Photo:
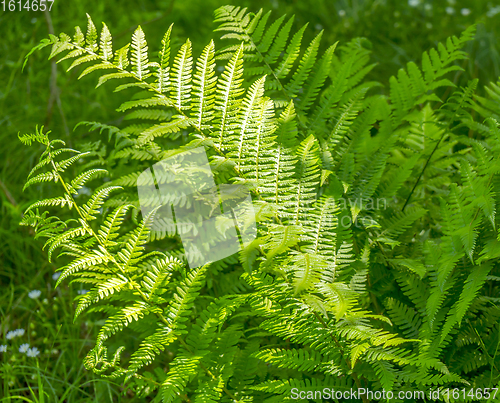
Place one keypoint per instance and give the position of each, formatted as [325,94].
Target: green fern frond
[204,86]
[307,180]
[104,290]
[181,77]
[122,319]
[139,54]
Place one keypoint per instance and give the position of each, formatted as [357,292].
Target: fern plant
[332,292]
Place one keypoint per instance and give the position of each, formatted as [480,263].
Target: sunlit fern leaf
[64,238]
[315,82]
[122,319]
[247,120]
[104,290]
[43,177]
[180,85]
[158,276]
[163,69]
[91,208]
[105,48]
[183,368]
[306,270]
[300,359]
[326,237]
[277,186]
[173,128]
[281,238]
[55,201]
[84,177]
[94,260]
[132,252]
[307,180]
[268,48]
[39,136]
[210,390]
[111,225]
[305,66]
[339,298]
[184,298]
[338,139]
[257,159]
[139,54]
[91,36]
[150,347]
[204,86]
[227,99]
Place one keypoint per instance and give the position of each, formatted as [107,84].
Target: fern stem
[447,128]
[423,170]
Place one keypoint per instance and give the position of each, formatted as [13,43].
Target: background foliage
[397,33]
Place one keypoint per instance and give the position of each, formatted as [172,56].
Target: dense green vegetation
[368,134]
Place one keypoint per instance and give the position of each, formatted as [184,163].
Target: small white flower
[3,348]
[33,352]
[413,3]
[81,292]
[465,11]
[450,10]
[24,347]
[493,11]
[55,276]
[341,13]
[34,294]
[318,27]
[428,7]
[14,333]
